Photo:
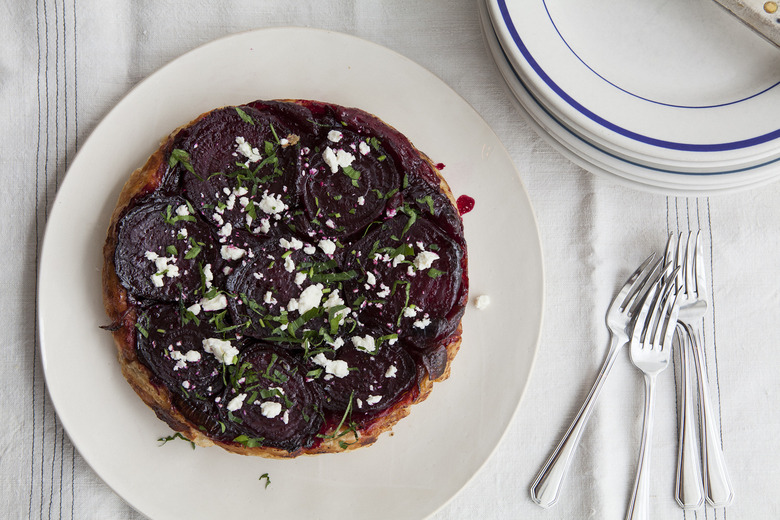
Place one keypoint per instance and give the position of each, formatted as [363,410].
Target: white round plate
[446,439]
[589,156]
[676,86]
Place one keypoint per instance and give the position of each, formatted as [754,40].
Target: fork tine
[671,250]
[641,325]
[690,250]
[662,313]
[646,322]
[681,251]
[672,311]
[635,282]
[639,289]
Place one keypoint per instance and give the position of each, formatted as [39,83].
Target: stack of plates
[673,97]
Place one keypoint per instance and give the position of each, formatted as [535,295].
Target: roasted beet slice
[270,402]
[398,146]
[366,371]
[172,347]
[346,182]
[287,287]
[162,247]
[411,281]
[238,167]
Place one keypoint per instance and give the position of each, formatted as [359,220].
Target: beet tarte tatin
[285,278]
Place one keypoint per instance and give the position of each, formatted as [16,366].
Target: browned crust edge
[122,314]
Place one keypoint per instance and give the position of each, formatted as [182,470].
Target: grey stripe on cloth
[53,458]
[691,214]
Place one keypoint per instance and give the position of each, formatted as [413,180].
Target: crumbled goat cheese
[236,403]
[217,303]
[222,350]
[245,149]
[421,324]
[271,203]
[328,246]
[366,343]
[425,259]
[270,409]
[482,301]
[232,252]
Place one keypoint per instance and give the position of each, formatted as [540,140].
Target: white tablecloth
[65,63]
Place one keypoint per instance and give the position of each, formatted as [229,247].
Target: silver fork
[717,485]
[689,488]
[546,488]
[650,349]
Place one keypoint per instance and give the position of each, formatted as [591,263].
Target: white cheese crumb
[289,264]
[335,136]
[299,278]
[263,228]
[364,148]
[232,252]
[217,303]
[425,259]
[269,298]
[344,158]
[329,156]
[236,403]
[482,301]
[293,243]
[335,367]
[410,312]
[366,343]
[370,278]
[361,200]
[182,210]
[194,308]
[222,350]
[208,276]
[272,204]
[310,298]
[245,149]
[328,246]
[373,399]
[421,324]
[226,230]
[398,259]
[391,371]
[340,158]
[385,292]
[270,409]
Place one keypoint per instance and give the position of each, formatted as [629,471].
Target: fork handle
[689,489]
[638,508]
[546,489]
[716,478]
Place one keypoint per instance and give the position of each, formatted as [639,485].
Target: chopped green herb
[245,117]
[250,442]
[179,156]
[177,435]
[435,273]
[267,479]
[142,330]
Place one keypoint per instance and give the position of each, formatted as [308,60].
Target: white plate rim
[748,148]
[55,317]
[589,156]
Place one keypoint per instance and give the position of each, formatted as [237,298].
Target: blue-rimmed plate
[678,91]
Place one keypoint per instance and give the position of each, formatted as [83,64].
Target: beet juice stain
[465,204]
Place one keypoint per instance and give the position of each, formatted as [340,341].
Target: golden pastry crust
[123,313]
